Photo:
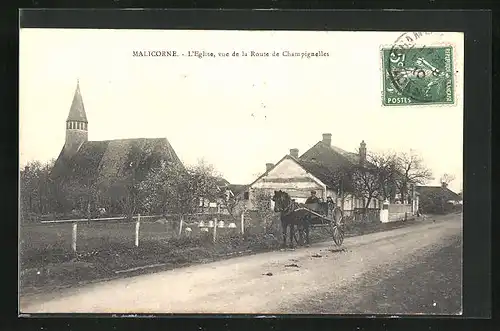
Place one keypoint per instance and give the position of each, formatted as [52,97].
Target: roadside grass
[106,251]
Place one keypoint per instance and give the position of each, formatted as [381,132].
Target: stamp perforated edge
[430,44]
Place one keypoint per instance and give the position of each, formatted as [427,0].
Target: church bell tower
[76,125]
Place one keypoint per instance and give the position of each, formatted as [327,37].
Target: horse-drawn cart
[324,215]
[304,216]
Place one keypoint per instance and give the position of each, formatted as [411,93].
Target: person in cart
[313,198]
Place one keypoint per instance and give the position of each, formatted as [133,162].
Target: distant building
[104,163]
[437,198]
[227,192]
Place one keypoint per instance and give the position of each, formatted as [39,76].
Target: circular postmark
[419,72]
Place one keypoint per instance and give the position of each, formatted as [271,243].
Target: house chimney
[294,152]
[362,151]
[327,138]
[444,184]
[269,166]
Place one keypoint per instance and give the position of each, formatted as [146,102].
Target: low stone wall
[398,212]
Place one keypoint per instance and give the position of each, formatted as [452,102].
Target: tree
[435,202]
[175,189]
[262,203]
[410,170]
[385,167]
[447,179]
[366,183]
[235,206]
[374,178]
[36,188]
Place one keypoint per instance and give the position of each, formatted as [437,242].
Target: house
[316,169]
[103,164]
[227,192]
[437,199]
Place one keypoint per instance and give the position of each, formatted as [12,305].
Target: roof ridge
[124,139]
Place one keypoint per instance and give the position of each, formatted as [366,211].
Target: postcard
[251,172]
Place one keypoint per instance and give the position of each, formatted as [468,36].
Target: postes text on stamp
[418,75]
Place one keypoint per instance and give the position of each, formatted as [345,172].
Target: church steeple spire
[76,124]
[77,110]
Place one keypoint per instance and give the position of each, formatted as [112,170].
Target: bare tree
[385,167]
[410,170]
[365,183]
[447,178]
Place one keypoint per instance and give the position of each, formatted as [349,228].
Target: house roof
[432,190]
[331,156]
[325,174]
[318,170]
[237,188]
[109,160]
[221,182]
[77,110]
[322,161]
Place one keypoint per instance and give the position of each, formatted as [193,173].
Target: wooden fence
[204,222]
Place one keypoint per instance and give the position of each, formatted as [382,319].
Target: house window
[246,195]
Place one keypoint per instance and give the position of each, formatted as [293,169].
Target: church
[84,164]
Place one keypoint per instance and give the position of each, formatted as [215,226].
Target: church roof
[108,161]
[77,110]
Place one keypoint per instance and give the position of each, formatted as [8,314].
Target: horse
[286,207]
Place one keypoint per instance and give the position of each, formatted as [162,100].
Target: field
[107,249]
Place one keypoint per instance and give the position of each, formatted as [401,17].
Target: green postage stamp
[418,75]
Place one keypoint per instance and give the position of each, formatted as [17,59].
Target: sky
[237,113]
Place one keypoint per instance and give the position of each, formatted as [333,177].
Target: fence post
[215,229]
[180,225]
[242,222]
[73,236]
[137,226]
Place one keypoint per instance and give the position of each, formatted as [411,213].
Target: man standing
[313,198]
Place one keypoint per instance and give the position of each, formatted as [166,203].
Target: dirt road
[272,283]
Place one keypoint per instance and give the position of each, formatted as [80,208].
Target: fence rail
[213,222]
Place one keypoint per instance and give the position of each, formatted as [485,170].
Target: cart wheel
[338,235]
